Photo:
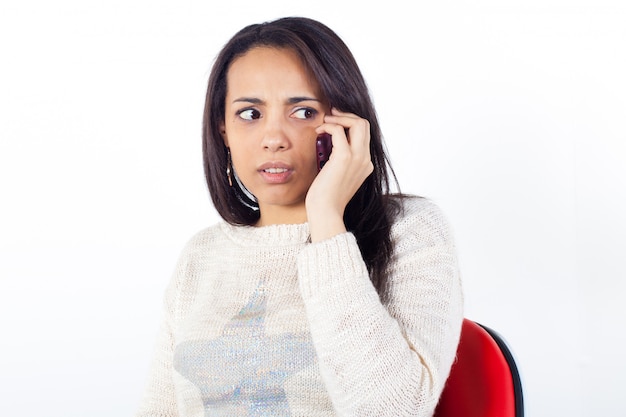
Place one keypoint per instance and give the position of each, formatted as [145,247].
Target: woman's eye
[250,114]
[304,113]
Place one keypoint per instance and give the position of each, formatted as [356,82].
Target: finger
[357,131]
[350,156]
[335,111]
[343,118]
[338,135]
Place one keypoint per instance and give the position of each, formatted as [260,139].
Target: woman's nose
[274,137]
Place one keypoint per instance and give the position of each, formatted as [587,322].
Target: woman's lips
[275,172]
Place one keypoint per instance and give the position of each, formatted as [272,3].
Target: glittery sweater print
[259,322]
[242,373]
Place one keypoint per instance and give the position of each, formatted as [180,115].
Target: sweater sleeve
[159,398]
[391,358]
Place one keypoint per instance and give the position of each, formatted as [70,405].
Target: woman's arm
[388,359]
[159,396]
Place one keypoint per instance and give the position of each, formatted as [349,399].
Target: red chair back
[484,380]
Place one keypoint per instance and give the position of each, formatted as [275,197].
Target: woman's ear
[223,133]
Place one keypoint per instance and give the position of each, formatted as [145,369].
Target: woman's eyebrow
[290,100]
[298,99]
[252,100]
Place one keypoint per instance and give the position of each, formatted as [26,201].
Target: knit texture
[259,322]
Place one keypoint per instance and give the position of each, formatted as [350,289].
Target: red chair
[484,380]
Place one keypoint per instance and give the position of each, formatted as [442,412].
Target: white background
[511,115]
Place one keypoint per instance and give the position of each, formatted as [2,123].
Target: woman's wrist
[324,226]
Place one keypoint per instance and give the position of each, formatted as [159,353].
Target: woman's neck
[273,214]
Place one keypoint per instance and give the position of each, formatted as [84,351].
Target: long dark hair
[369,214]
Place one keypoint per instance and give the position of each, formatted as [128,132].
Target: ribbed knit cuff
[333,265]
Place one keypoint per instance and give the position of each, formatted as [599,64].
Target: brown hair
[369,212]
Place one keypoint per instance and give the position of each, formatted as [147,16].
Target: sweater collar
[273,235]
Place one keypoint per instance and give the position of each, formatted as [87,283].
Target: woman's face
[273,106]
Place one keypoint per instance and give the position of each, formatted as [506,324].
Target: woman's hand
[349,165]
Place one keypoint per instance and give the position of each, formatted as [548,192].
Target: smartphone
[323,147]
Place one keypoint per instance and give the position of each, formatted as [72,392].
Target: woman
[320,294]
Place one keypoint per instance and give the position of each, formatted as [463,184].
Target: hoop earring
[229,165]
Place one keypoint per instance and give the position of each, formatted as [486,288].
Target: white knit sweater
[258,322]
